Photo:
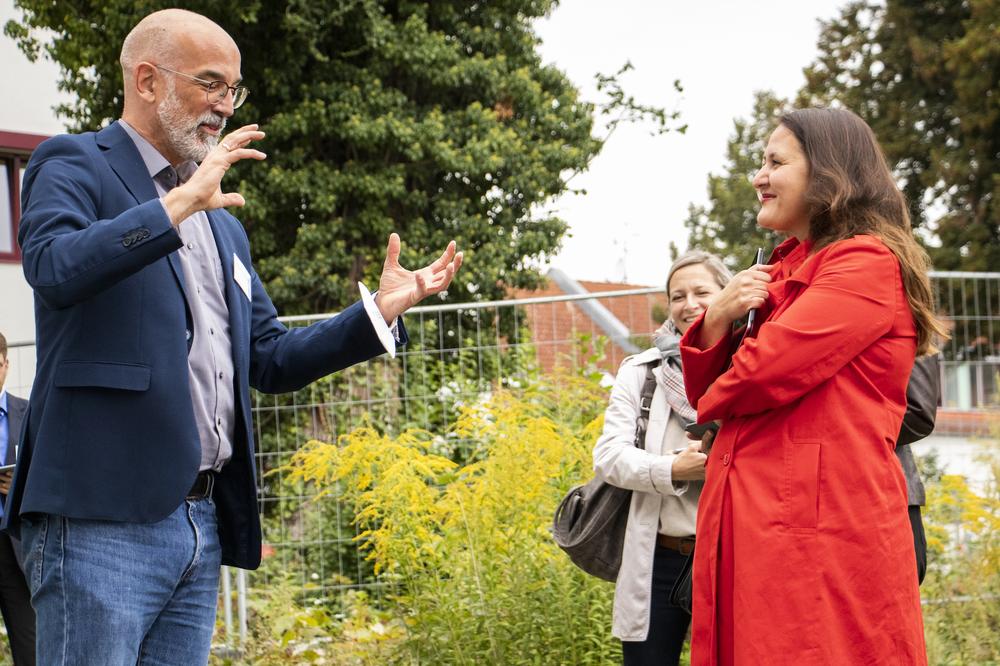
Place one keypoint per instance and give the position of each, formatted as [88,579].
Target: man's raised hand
[400,289]
[204,190]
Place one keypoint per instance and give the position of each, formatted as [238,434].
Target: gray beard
[183,135]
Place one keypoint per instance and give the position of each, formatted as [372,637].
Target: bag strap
[645,403]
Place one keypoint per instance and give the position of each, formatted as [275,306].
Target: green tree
[435,119]
[727,226]
[923,75]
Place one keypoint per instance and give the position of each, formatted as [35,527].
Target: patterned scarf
[670,378]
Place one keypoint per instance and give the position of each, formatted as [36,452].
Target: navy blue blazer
[111,431]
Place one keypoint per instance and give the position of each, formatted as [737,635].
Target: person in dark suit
[15,600]
[922,395]
[136,473]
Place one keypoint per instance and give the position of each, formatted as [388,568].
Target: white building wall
[17,323]
[32,83]
[32,113]
[17,319]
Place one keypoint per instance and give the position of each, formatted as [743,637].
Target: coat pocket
[802,483]
[87,374]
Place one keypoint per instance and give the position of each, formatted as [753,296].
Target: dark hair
[851,191]
[3,346]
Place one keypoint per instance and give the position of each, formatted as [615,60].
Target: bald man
[135,478]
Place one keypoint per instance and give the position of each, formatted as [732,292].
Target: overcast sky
[30,89]
[639,187]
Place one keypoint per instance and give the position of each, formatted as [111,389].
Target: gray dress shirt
[210,359]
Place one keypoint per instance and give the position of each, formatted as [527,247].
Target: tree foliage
[923,75]
[434,119]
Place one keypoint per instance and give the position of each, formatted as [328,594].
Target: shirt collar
[790,254]
[3,398]
[151,157]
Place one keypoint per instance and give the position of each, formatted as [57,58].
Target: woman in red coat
[804,551]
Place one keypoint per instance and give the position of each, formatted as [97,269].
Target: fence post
[227,605]
[241,604]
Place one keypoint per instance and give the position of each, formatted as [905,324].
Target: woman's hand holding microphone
[746,291]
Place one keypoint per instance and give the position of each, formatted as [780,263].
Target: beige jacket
[658,505]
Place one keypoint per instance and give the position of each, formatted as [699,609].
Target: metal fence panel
[456,355]
[460,352]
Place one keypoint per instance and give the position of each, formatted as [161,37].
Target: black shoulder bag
[590,521]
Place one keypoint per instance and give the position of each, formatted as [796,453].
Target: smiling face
[690,291]
[781,185]
[162,103]
[188,134]
[190,124]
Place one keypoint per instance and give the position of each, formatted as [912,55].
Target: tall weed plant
[476,577]
[961,592]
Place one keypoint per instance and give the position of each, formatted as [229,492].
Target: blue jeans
[668,624]
[113,593]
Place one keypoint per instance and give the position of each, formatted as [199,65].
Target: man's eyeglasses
[215,90]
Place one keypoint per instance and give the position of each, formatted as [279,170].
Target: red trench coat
[804,547]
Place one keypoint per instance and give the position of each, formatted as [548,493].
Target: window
[15,149]
[6,212]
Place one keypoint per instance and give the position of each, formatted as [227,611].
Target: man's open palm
[400,289]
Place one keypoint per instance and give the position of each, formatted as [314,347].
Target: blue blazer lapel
[125,160]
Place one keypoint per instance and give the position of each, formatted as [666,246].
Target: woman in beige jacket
[666,475]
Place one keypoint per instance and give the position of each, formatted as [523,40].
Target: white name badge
[241,276]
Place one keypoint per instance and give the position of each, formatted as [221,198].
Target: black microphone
[758,259]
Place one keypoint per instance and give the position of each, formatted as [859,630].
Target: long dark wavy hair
[851,191]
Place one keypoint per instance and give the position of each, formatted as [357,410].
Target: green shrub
[476,576]
[472,574]
[962,590]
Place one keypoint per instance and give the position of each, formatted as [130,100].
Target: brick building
[627,321]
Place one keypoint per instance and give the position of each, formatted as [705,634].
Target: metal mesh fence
[456,355]
[971,359]
[459,353]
